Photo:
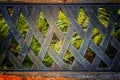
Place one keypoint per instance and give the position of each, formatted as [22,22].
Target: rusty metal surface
[77,75]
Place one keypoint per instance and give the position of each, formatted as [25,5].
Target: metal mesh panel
[50,13]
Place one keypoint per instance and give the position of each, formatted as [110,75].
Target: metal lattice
[50,12]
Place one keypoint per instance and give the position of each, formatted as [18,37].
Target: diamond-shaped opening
[3,27]
[56,43]
[83,19]
[103,16]
[10,11]
[62,22]
[89,55]
[102,65]
[22,25]
[6,64]
[76,40]
[119,11]
[97,36]
[35,45]
[15,48]
[42,24]
[118,67]
[116,31]
[111,51]
[1,47]
[27,63]
[48,61]
[68,58]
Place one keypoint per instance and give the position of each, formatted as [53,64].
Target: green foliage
[15,47]
[3,27]
[22,25]
[103,16]
[27,63]
[42,24]
[10,11]
[68,58]
[63,24]
[76,40]
[96,36]
[116,32]
[48,61]
[35,45]
[83,18]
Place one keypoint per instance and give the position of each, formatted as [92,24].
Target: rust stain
[12,77]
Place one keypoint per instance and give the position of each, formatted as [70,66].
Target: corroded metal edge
[83,75]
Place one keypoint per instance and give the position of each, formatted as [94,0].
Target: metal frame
[31,13]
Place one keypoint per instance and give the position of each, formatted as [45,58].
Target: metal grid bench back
[50,12]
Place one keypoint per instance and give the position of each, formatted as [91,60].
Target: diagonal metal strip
[15,19]
[113,41]
[14,61]
[45,45]
[17,35]
[27,40]
[76,65]
[40,38]
[79,30]
[105,41]
[11,56]
[90,12]
[12,24]
[116,62]
[5,47]
[58,32]
[66,42]
[67,37]
[50,12]
[49,35]
[86,40]
[114,13]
